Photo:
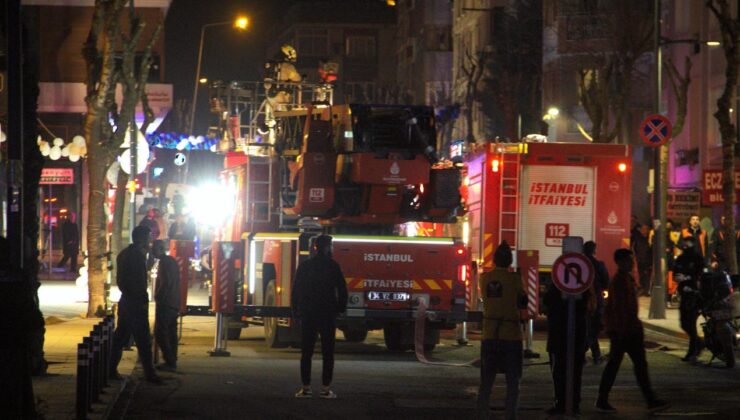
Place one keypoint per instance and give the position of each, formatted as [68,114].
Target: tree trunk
[96,227]
[729,29]
[117,243]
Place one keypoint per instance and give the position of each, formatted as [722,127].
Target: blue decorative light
[186,142]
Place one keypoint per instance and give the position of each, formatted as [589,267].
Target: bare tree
[473,68]
[729,30]
[609,70]
[680,88]
[106,120]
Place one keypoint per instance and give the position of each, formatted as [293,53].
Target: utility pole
[660,181]
[133,149]
[14,172]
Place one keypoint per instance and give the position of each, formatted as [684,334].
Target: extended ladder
[508,219]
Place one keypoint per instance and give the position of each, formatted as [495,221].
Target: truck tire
[274,333]
[392,336]
[355,335]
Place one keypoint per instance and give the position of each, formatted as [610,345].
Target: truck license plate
[390,296]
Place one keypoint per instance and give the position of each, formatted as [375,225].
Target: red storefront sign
[711,187]
[57,176]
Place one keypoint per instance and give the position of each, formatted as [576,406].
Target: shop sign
[682,204]
[57,176]
[711,187]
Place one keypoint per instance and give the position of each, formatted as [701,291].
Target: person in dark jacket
[70,242]
[167,298]
[557,333]
[687,270]
[133,308]
[319,295]
[626,334]
[600,284]
[720,236]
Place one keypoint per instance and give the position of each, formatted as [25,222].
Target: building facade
[496,69]
[358,35]
[59,29]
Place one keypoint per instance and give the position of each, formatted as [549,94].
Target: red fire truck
[356,172]
[535,194]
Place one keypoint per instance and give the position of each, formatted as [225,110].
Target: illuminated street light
[553,112]
[240,23]
[203,80]
[713,43]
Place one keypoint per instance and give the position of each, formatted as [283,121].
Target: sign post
[573,274]
[655,131]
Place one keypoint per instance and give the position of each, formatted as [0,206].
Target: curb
[664,330]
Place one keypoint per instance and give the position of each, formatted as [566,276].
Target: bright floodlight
[211,204]
[553,112]
[713,43]
[241,23]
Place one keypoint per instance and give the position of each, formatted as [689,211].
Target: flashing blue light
[157,171]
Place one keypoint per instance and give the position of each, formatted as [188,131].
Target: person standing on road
[167,297]
[626,335]
[70,242]
[133,308]
[557,343]
[600,284]
[501,343]
[319,295]
[687,270]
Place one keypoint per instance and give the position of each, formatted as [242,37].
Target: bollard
[82,397]
[111,333]
[95,365]
[99,374]
[87,341]
[108,338]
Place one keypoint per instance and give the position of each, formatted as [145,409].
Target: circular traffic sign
[655,130]
[572,273]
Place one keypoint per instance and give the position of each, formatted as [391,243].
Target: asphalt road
[256,382]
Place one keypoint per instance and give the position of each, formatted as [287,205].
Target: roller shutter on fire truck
[556,201]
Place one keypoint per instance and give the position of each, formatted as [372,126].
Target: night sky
[228,54]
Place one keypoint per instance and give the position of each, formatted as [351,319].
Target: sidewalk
[55,392]
[669,326]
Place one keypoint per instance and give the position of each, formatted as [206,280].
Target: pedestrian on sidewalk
[501,343]
[133,308]
[319,295]
[694,230]
[167,298]
[688,269]
[595,322]
[70,242]
[626,335]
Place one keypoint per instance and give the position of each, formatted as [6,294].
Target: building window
[360,47]
[313,42]
[359,92]
[438,38]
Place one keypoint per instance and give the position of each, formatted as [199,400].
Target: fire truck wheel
[355,335]
[392,336]
[274,333]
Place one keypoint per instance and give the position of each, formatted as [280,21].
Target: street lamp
[241,23]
